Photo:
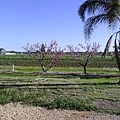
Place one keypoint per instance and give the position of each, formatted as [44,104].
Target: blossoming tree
[41,52]
[83,58]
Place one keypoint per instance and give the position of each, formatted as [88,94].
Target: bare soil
[113,105]
[18,111]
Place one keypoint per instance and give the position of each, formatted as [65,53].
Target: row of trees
[54,53]
[99,11]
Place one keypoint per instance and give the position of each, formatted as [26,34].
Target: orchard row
[62,63]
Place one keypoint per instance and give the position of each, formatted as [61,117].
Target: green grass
[61,69]
[65,92]
[66,61]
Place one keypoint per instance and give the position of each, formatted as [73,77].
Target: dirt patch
[107,104]
[18,111]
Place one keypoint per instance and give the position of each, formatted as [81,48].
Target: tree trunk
[119,77]
[85,71]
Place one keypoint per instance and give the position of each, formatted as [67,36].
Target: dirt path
[18,111]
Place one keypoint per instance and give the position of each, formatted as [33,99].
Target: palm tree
[101,11]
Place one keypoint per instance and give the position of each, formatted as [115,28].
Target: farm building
[2,51]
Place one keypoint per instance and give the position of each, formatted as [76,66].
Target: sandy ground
[18,111]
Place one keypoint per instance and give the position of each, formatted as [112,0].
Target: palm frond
[91,23]
[92,7]
[112,12]
[108,44]
[101,11]
[107,47]
[117,55]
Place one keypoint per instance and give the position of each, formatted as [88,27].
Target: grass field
[58,91]
[66,61]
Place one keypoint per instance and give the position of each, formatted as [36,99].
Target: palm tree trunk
[119,79]
[118,51]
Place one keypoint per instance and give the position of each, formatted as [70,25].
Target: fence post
[13,67]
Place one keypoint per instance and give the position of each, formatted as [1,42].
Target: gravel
[18,111]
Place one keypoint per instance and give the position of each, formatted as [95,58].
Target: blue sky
[37,21]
